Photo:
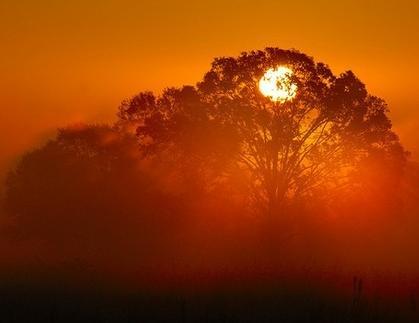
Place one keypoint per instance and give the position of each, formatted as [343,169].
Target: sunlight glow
[276,84]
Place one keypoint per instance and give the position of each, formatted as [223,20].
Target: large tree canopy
[317,141]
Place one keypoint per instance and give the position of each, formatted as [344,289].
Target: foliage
[286,151]
[86,192]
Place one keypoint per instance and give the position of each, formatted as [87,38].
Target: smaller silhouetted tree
[87,193]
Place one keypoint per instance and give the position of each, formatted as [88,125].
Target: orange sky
[67,61]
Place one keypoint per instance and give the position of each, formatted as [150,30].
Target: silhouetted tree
[316,142]
[87,193]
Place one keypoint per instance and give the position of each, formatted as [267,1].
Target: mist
[215,189]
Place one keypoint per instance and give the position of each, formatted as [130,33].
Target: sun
[277,85]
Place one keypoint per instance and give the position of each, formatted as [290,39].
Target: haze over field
[210,161]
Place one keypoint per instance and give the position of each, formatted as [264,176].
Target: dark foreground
[19,303]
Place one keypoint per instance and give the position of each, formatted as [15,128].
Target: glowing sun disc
[277,85]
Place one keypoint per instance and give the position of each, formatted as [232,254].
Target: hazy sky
[68,61]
